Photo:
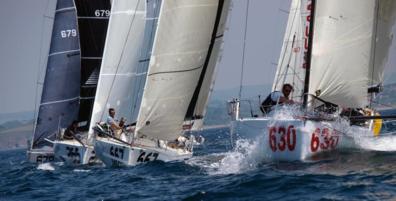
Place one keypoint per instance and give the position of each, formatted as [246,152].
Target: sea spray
[46,167]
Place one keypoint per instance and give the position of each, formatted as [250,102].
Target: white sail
[120,61]
[291,67]
[341,49]
[386,15]
[184,34]
[207,80]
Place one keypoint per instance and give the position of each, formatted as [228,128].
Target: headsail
[61,91]
[343,50]
[291,67]
[120,62]
[385,20]
[186,32]
[197,108]
[93,17]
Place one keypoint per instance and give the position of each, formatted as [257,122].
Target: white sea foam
[81,170]
[46,166]
[244,157]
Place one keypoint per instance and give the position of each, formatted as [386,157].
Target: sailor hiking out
[277,97]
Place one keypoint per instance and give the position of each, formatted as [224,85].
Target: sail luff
[308,57]
[385,21]
[51,10]
[197,107]
[60,97]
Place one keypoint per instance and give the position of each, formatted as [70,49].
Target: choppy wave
[218,171]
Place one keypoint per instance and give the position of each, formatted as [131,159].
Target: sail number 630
[286,139]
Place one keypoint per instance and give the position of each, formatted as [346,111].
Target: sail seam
[60,101]
[95,18]
[92,58]
[176,71]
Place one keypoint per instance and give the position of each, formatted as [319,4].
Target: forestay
[61,91]
[291,67]
[184,34]
[120,60]
[344,48]
[93,17]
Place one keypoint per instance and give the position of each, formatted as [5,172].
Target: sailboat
[61,90]
[93,17]
[334,54]
[169,72]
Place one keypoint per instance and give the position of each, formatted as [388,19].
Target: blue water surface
[216,172]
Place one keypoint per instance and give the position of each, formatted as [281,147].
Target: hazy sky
[24,39]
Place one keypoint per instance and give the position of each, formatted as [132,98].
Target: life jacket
[267,104]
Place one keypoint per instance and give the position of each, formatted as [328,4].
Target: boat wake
[245,156]
[46,167]
[385,142]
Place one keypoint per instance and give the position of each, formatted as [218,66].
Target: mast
[309,52]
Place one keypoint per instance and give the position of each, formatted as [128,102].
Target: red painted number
[287,138]
[272,138]
[328,141]
[315,140]
[291,134]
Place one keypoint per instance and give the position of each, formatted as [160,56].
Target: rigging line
[244,49]
[122,54]
[287,39]
[38,75]
[375,47]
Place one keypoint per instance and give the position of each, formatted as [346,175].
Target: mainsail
[346,52]
[61,91]
[120,63]
[291,67]
[184,40]
[93,19]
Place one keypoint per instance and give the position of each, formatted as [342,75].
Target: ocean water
[216,172]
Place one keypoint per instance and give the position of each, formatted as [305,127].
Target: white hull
[290,140]
[114,153]
[40,155]
[73,153]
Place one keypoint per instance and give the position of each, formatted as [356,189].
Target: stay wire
[244,49]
